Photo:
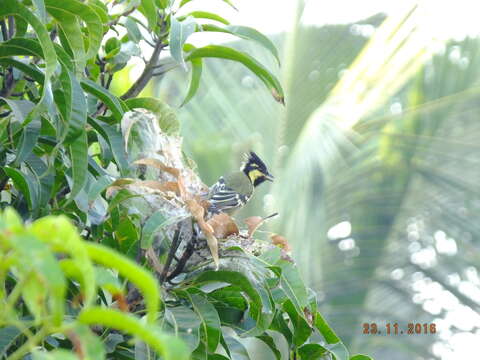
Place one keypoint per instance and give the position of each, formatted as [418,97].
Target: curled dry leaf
[254,222]
[223,226]
[281,242]
[198,213]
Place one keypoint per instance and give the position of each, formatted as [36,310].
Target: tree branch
[3,26]
[147,73]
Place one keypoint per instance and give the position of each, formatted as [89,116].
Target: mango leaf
[258,69]
[197,66]
[338,350]
[26,184]
[115,140]
[302,329]
[210,328]
[325,329]
[87,14]
[205,15]
[154,224]
[142,279]
[86,342]
[149,10]
[236,348]
[184,323]
[57,354]
[73,107]
[361,357]
[8,335]
[248,33]
[169,347]
[312,352]
[78,155]
[179,32]
[44,175]
[293,286]
[114,103]
[133,31]
[268,340]
[100,185]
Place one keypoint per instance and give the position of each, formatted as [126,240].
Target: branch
[4,30]
[11,27]
[147,74]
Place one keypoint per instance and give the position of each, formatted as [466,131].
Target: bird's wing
[223,197]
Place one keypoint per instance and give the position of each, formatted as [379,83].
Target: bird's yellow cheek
[254,174]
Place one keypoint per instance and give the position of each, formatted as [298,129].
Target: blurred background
[375,155]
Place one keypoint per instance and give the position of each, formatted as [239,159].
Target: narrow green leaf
[8,335]
[205,15]
[153,224]
[325,329]
[361,357]
[179,32]
[79,158]
[302,329]
[248,33]
[46,180]
[70,33]
[237,349]
[88,343]
[185,323]
[40,10]
[133,31]
[149,10]
[100,185]
[25,184]
[88,15]
[268,340]
[27,69]
[116,142]
[113,102]
[312,352]
[130,270]
[211,329]
[339,350]
[258,69]
[169,347]
[197,66]
[293,286]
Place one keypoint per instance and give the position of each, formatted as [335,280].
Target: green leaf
[72,106]
[142,279]
[184,323]
[293,286]
[167,118]
[57,354]
[312,352]
[302,329]
[79,158]
[100,185]
[339,350]
[258,69]
[210,321]
[70,32]
[27,69]
[88,343]
[133,31]
[87,14]
[248,33]
[115,140]
[149,10]
[44,175]
[197,66]
[113,102]
[39,267]
[40,10]
[119,197]
[205,15]
[237,349]
[361,357]
[63,236]
[169,347]
[154,224]
[25,184]
[179,32]
[268,340]
[8,335]
[325,329]
[260,307]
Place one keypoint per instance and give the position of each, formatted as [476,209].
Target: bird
[233,191]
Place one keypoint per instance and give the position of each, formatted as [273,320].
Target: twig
[147,73]
[11,27]
[126,13]
[183,260]
[171,253]
[3,26]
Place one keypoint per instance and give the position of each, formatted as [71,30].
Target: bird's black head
[255,169]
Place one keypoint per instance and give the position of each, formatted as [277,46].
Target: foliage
[70,287]
[401,181]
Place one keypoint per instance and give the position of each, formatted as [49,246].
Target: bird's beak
[269,177]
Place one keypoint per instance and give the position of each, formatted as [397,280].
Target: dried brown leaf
[253,223]
[281,242]
[223,226]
